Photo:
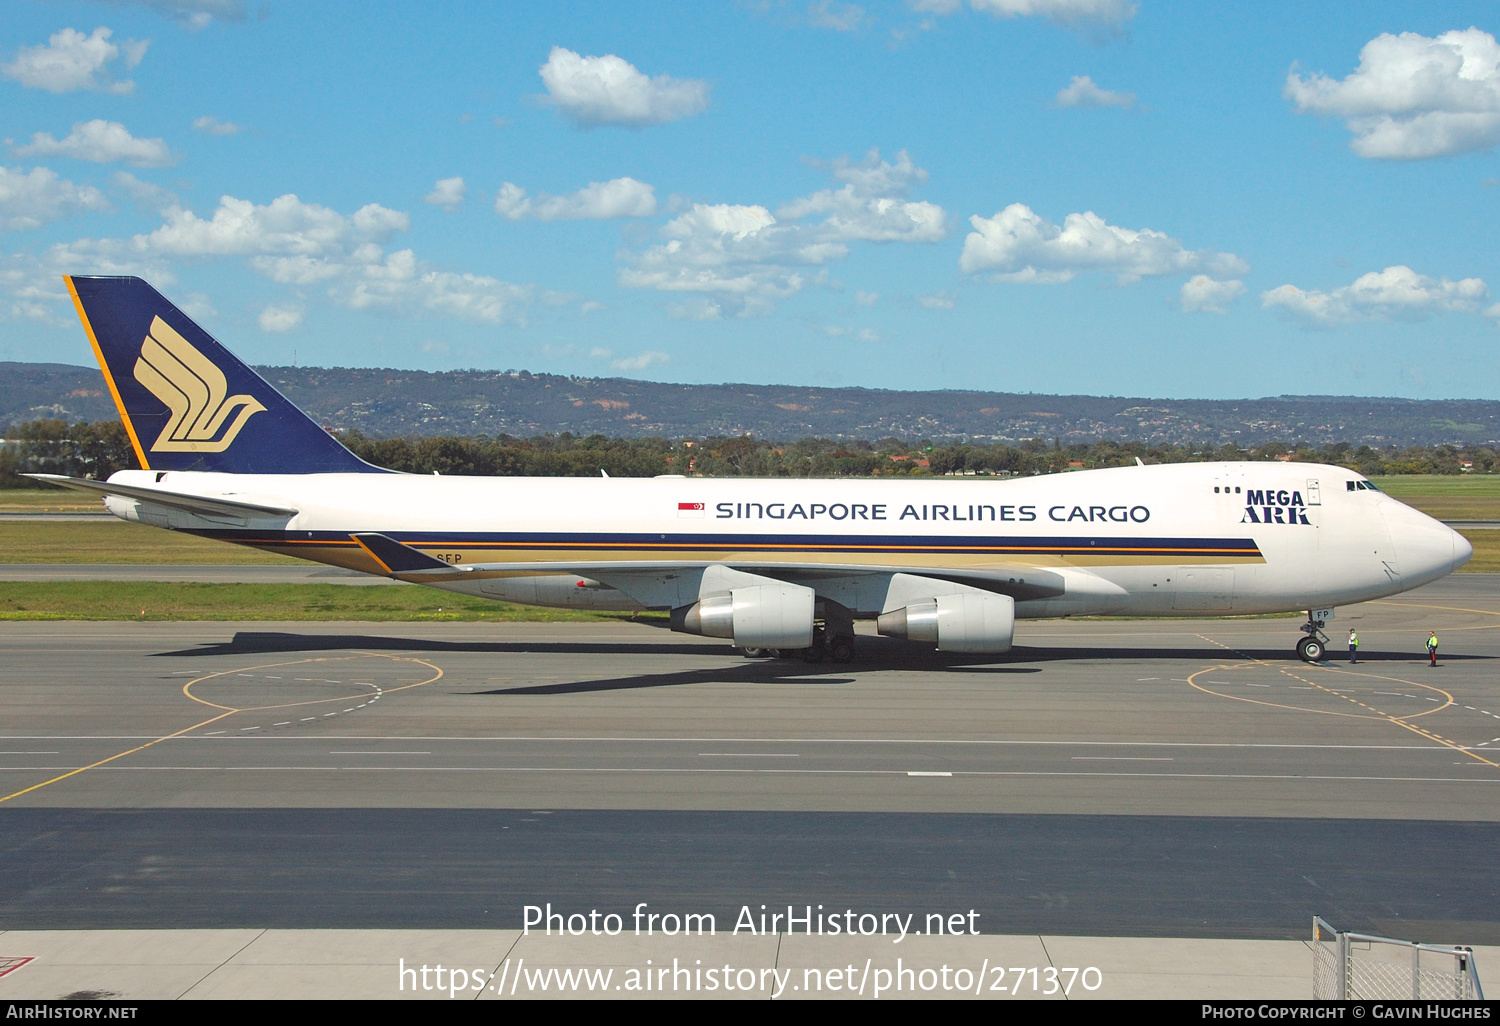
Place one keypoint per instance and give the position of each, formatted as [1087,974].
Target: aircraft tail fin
[187,403]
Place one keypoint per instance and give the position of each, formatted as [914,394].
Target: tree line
[99,449]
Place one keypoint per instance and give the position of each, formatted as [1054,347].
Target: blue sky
[1078,196]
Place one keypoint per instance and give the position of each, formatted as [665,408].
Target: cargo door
[1204,588]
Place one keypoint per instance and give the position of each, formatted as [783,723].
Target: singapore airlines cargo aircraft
[773,564]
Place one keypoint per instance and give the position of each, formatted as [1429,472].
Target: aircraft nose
[1462,550]
[1426,549]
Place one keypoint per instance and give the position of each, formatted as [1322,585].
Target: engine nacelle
[970,621]
[773,615]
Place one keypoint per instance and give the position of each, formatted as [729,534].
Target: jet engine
[771,615]
[969,621]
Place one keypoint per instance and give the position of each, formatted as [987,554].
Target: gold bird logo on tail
[189,384]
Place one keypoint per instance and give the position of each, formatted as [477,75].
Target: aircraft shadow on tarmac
[873,653]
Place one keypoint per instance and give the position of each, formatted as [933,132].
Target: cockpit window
[1362,486]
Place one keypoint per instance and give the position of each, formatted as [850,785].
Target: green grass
[1486,559]
[1447,497]
[116,541]
[48,500]
[131,600]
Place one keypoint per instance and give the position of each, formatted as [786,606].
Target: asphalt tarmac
[1133,778]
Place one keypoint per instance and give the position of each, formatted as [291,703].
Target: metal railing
[1362,967]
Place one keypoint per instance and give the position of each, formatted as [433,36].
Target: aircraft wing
[198,504]
[410,564]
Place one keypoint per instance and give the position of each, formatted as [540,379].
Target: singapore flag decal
[690,509]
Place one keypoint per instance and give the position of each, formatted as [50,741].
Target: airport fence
[1362,967]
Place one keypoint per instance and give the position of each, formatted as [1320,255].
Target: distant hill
[386,403]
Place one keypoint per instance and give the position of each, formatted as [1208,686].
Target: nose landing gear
[1314,646]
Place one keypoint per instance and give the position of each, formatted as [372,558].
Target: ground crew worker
[1432,647]
[1353,645]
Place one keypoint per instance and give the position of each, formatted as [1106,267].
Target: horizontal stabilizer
[198,504]
[398,558]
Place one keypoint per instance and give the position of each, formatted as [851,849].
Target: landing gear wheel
[842,650]
[1310,650]
[757,653]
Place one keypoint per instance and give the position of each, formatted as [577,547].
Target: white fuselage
[1183,539]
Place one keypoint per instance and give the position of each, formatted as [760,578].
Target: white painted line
[30,753]
[1140,679]
[379,753]
[1123,758]
[746,755]
[928,773]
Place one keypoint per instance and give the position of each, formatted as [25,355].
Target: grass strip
[118,541]
[148,600]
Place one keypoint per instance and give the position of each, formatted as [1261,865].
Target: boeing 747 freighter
[780,564]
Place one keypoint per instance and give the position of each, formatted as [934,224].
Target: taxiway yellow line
[230,711]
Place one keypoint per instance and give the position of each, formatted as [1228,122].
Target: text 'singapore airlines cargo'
[773,564]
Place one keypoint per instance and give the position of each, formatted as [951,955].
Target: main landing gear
[1314,646]
[833,639]
[838,648]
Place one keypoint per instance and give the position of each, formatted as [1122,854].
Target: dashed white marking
[928,773]
[1123,758]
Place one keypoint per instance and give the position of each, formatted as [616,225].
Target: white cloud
[284,227]
[867,298]
[1396,293]
[294,243]
[618,197]
[1082,92]
[448,193]
[145,194]
[1413,97]
[193,14]
[746,257]
[31,199]
[102,142]
[213,126]
[34,282]
[871,205]
[641,361]
[1205,294]
[1063,12]
[279,318]
[401,280]
[608,90]
[832,14]
[1019,246]
[939,301]
[698,309]
[71,60]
